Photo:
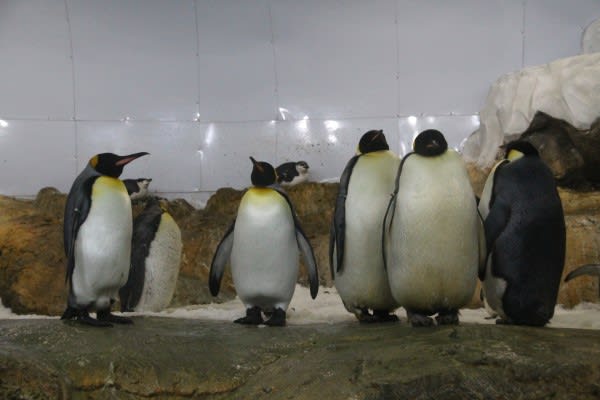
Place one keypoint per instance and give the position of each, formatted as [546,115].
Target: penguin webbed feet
[83,317]
[448,317]
[276,317]
[418,320]
[377,317]
[108,317]
[253,317]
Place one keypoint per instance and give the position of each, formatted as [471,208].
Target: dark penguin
[292,173]
[263,244]
[155,257]
[525,235]
[97,239]
[137,188]
[433,239]
[355,246]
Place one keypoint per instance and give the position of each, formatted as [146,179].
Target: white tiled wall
[203,84]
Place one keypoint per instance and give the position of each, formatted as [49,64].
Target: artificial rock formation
[32,261]
[567,89]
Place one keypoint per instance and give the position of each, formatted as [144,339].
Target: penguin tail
[588,269]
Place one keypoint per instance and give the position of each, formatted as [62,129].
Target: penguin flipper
[496,222]
[338,229]
[219,261]
[588,269]
[309,260]
[391,211]
[145,226]
[77,208]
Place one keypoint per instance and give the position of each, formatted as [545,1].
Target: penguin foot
[447,318]
[83,317]
[419,320]
[504,321]
[277,319]
[378,317]
[107,316]
[253,317]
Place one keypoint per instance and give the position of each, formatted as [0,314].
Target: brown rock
[32,262]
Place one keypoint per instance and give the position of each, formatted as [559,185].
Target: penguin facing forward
[137,188]
[262,244]
[97,239]
[525,235]
[432,233]
[355,244]
[292,173]
[155,258]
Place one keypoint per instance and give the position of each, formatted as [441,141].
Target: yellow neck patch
[514,155]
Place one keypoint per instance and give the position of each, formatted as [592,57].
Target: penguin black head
[430,143]
[520,148]
[263,173]
[302,166]
[372,141]
[111,164]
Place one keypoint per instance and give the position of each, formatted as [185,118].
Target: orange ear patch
[94,161]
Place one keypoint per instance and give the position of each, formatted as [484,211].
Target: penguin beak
[377,135]
[124,160]
[256,164]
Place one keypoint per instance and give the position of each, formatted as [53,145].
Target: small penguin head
[373,140]
[110,164]
[143,183]
[301,167]
[519,148]
[430,143]
[263,173]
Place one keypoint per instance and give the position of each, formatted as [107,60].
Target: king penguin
[155,258]
[525,235]
[97,239]
[355,244]
[262,243]
[432,233]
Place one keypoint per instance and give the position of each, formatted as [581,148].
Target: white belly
[161,267]
[434,249]
[363,282]
[264,257]
[103,245]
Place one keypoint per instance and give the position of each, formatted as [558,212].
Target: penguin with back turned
[525,235]
[262,243]
[432,233]
[155,258]
[355,243]
[97,239]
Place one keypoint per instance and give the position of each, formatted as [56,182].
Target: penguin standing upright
[432,233]
[292,173]
[97,239]
[355,253]
[155,258]
[525,235]
[263,244]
